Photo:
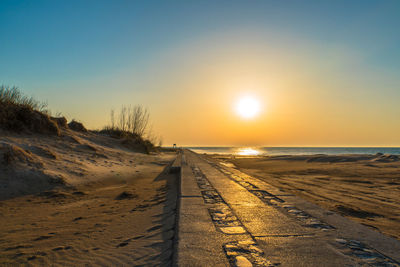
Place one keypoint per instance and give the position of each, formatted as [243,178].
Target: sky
[326,73]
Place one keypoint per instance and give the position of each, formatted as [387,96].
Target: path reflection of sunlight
[247,151]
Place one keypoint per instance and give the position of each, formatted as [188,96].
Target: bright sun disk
[248,107]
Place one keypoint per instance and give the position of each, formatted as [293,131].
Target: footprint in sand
[79,193]
[156,227]
[141,207]
[126,195]
[123,244]
[43,237]
[18,247]
[100,225]
[39,253]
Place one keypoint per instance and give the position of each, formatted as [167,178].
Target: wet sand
[364,188]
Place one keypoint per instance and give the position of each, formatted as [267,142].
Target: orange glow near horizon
[194,103]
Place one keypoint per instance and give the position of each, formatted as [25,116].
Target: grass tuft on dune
[129,140]
[22,114]
[19,113]
[39,152]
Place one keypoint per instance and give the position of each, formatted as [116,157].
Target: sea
[274,151]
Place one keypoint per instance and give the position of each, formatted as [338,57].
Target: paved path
[227,218]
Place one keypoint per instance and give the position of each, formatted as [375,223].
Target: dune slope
[84,199]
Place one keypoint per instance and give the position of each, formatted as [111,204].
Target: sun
[248,107]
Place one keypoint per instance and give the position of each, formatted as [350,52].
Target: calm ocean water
[296,150]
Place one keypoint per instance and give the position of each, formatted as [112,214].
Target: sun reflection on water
[247,151]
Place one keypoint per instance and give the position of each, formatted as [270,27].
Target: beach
[84,199]
[364,188]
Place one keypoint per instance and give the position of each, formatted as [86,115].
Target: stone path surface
[227,218]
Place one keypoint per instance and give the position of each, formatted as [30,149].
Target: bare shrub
[131,125]
[131,120]
[140,120]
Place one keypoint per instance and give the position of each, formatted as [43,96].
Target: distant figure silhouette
[174,146]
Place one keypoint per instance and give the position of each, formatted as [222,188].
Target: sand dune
[84,199]
[33,163]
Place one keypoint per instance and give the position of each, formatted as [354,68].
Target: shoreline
[295,151]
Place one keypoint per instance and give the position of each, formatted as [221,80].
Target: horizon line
[298,146]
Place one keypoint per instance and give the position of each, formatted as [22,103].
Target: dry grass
[20,113]
[13,97]
[131,127]
[129,140]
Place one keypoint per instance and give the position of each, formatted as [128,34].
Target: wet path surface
[227,218]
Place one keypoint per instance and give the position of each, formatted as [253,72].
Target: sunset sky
[326,73]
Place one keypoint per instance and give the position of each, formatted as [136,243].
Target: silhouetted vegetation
[131,125]
[132,120]
[77,126]
[21,113]
[13,96]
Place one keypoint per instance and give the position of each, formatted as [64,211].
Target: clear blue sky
[86,57]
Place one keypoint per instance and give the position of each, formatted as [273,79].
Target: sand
[84,199]
[364,188]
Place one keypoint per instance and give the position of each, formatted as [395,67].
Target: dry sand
[84,199]
[364,188]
